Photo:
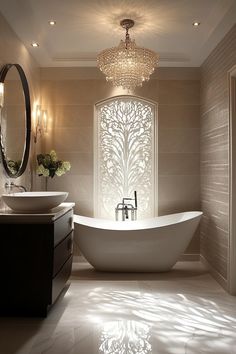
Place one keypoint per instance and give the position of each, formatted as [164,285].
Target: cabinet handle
[69,244]
[71,222]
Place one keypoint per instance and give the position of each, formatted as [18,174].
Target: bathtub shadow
[84,271]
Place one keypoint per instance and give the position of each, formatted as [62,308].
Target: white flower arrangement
[49,165]
[13,166]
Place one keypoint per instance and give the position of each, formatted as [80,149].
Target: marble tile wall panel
[214,160]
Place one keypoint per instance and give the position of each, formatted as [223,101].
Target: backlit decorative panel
[124,155]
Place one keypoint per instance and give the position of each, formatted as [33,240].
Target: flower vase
[46,183]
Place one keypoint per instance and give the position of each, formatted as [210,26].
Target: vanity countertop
[7,215]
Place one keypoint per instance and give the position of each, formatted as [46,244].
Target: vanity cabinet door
[62,253]
[59,281]
[63,226]
[27,269]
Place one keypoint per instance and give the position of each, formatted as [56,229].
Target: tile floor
[181,312]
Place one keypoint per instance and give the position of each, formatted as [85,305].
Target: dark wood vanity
[36,249]
[36,260]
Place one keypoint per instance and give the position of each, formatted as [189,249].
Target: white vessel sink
[34,202]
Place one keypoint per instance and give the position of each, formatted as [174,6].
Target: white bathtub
[151,245]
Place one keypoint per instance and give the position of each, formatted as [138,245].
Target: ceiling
[85,27]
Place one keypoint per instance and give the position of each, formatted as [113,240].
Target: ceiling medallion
[127,65]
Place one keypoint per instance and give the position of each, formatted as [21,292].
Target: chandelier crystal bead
[127,65]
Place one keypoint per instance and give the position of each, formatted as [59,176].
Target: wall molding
[93,73]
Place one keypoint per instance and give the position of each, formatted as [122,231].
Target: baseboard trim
[216,275]
[79,259]
[189,257]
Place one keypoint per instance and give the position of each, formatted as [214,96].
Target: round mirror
[15,119]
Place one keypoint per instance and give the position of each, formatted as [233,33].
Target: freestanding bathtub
[150,245]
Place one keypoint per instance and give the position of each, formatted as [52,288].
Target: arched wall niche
[125,154]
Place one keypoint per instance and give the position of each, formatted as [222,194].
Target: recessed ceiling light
[196,24]
[52,22]
[35,44]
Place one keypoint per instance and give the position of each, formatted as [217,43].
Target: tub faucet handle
[135,199]
[126,212]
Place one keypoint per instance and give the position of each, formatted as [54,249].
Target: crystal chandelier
[127,65]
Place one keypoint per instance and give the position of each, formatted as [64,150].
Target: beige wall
[69,95]
[13,51]
[215,155]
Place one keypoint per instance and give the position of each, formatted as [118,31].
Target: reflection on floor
[181,312]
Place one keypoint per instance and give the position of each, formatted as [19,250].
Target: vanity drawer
[60,279]
[63,226]
[62,252]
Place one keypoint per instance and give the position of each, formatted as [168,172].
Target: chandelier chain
[127,38]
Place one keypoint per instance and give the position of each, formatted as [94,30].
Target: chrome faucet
[125,207]
[9,187]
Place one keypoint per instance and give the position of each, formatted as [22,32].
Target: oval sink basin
[34,202]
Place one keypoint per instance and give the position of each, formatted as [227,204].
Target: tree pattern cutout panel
[125,155]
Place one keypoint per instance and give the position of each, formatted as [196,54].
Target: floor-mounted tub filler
[150,245]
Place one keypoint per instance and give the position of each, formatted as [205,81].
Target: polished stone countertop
[8,215]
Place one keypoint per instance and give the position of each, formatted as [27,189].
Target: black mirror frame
[25,156]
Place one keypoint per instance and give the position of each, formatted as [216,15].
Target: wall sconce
[41,122]
[1,94]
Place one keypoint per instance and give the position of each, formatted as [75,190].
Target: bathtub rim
[144,224]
